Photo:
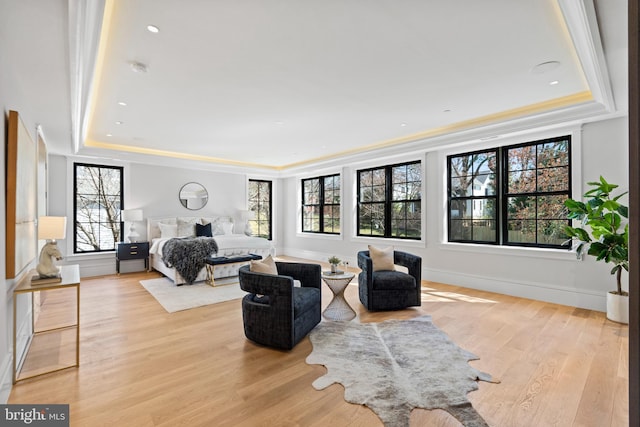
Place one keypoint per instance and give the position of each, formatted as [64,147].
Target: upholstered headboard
[153,227]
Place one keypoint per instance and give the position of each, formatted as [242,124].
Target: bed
[229,244]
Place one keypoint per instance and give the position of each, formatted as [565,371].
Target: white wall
[23,312]
[154,189]
[548,275]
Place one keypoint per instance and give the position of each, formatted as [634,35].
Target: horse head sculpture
[45,267]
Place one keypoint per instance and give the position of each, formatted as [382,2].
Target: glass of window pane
[366,178]
[414,172]
[552,207]
[551,232]
[521,158]
[553,179]
[521,231]
[460,209]
[484,230]
[379,177]
[521,181]
[399,174]
[553,154]
[371,219]
[483,185]
[460,230]
[460,166]
[378,193]
[311,218]
[521,207]
[400,191]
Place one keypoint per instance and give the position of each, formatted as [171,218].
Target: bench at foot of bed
[211,263]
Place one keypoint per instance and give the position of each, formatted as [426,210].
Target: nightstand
[131,251]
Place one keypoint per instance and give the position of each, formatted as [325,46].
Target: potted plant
[604,235]
[334,261]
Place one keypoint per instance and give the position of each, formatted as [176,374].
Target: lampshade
[131,215]
[52,227]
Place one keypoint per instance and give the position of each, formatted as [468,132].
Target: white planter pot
[618,308]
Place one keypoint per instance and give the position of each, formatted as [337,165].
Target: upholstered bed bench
[213,261]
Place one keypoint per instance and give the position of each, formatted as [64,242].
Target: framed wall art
[21,197]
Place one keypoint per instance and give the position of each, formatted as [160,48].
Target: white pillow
[168,231]
[382,258]
[186,228]
[227,227]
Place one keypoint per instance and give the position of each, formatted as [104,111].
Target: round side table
[338,308]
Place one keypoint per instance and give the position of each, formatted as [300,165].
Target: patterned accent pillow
[186,228]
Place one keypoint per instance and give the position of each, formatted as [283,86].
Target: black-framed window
[98,200]
[390,201]
[512,195]
[321,204]
[260,203]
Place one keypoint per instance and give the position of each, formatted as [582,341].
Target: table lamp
[50,228]
[132,215]
[247,216]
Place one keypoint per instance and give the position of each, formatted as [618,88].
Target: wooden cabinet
[131,251]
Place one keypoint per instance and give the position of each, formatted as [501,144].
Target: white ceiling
[279,84]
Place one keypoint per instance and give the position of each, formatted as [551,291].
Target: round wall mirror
[193,196]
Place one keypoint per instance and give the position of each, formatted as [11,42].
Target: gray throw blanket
[187,255]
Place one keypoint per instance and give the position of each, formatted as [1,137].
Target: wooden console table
[70,275]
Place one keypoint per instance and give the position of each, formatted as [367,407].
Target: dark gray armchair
[390,290]
[275,313]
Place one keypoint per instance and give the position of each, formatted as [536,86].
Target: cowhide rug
[395,366]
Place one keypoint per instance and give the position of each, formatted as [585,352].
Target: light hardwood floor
[141,366]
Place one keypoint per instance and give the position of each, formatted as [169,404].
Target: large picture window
[260,195]
[321,204]
[390,201]
[98,199]
[511,195]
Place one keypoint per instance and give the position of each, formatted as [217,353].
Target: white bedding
[228,245]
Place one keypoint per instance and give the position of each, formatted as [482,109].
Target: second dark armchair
[387,289]
[275,313]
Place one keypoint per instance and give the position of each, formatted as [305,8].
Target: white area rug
[395,366]
[176,298]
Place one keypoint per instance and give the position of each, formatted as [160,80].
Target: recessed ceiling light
[109,134]
[153,29]
[545,67]
[403,124]
[446,110]
[555,82]
[124,104]
[119,122]
[138,67]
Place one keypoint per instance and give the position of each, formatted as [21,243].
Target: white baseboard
[6,377]
[573,297]
[538,291]
[97,265]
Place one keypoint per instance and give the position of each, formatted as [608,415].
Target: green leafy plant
[602,232]
[334,260]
